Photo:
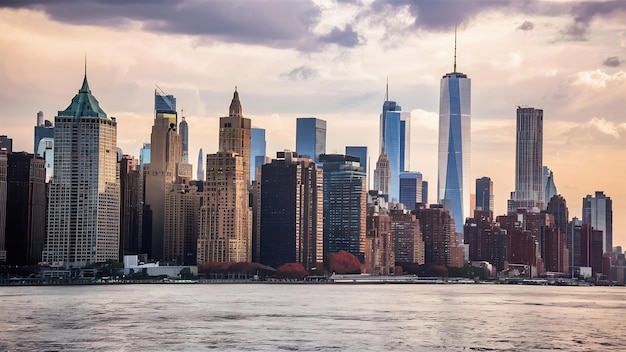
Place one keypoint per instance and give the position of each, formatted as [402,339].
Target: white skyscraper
[453,183]
[84,203]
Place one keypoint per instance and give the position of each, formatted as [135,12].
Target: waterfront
[311,317]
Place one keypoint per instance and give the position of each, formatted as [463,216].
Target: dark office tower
[529,188]
[573,241]
[526,233]
[484,194]
[486,240]
[591,248]
[345,199]
[84,194]
[291,212]
[161,173]
[3,203]
[555,254]
[361,153]
[257,150]
[255,202]
[200,174]
[310,137]
[558,208]
[131,206]
[425,192]
[183,130]
[6,143]
[439,234]
[234,134]
[410,189]
[598,212]
[407,236]
[26,209]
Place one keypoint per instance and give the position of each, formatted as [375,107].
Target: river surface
[312,317]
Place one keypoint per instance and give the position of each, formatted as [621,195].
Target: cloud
[612,61]
[275,23]
[596,132]
[585,12]
[526,26]
[346,37]
[301,73]
[597,79]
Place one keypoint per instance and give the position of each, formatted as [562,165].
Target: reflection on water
[311,317]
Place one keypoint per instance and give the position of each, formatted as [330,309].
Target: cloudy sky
[330,59]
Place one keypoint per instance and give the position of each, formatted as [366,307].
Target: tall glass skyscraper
[453,181]
[529,187]
[395,142]
[200,175]
[598,212]
[360,152]
[410,189]
[310,137]
[258,150]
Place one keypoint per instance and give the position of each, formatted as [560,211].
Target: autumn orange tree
[291,271]
[343,262]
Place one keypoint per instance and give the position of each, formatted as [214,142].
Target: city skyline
[334,67]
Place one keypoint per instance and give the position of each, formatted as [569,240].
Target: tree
[291,271]
[343,262]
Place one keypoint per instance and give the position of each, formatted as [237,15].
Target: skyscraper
[395,127]
[6,143]
[183,130]
[345,198]
[84,196]
[257,150]
[161,173]
[382,176]
[291,212]
[225,223]
[549,188]
[43,129]
[484,194]
[410,189]
[424,192]
[529,187]
[598,212]
[3,203]
[361,153]
[200,174]
[234,135]
[144,155]
[453,181]
[310,137]
[131,206]
[26,209]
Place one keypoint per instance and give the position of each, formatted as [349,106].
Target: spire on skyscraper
[235,109]
[454,49]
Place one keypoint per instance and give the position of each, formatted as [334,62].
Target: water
[309,317]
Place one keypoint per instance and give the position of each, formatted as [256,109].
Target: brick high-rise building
[379,246]
[407,236]
[439,234]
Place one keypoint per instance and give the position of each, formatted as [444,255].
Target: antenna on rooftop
[160,90]
[387,90]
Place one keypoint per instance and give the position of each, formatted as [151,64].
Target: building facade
[310,137]
[410,189]
[183,130]
[453,182]
[258,147]
[407,237]
[84,197]
[598,212]
[3,203]
[382,176]
[235,134]
[26,209]
[484,194]
[345,201]
[291,212]
[529,187]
